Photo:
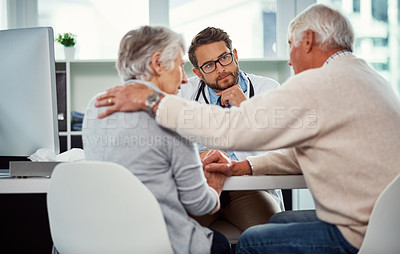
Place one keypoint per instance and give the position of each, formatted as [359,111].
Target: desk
[24,207]
[265,182]
[41,185]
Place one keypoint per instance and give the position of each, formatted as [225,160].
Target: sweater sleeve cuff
[251,165]
[259,165]
[218,205]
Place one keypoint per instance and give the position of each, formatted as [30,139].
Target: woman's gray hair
[138,46]
[333,30]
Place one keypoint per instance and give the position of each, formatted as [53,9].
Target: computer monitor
[28,102]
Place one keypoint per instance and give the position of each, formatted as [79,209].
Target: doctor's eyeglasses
[223,60]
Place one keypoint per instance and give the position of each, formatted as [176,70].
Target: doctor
[219,81]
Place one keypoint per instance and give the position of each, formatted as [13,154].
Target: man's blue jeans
[294,232]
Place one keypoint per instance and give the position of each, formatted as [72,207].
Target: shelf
[87,61]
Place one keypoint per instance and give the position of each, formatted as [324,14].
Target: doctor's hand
[130,97]
[218,162]
[233,95]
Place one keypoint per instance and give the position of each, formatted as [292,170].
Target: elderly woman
[166,163]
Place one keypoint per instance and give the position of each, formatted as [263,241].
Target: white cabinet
[86,78]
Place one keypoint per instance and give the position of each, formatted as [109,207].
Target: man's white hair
[332,29]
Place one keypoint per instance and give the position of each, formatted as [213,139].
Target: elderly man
[337,118]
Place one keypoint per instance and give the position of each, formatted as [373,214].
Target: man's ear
[235,55]
[156,64]
[197,72]
[308,40]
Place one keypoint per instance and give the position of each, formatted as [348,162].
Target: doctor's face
[226,73]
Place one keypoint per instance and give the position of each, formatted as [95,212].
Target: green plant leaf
[66,39]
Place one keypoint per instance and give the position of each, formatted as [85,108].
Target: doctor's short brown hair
[206,36]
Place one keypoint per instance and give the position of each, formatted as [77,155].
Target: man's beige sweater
[340,124]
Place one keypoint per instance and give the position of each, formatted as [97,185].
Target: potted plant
[68,41]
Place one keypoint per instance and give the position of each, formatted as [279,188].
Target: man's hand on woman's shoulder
[130,97]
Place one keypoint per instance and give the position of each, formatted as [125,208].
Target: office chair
[101,207]
[383,229]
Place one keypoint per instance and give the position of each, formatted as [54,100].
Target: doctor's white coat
[192,90]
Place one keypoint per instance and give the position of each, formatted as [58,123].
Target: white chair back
[101,207]
[383,231]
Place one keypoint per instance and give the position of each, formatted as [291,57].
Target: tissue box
[32,169]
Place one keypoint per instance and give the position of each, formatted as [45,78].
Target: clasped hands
[216,161]
[215,167]
[219,162]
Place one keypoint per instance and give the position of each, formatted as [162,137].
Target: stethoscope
[202,89]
